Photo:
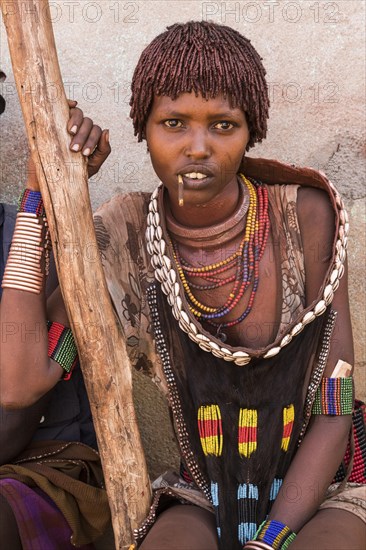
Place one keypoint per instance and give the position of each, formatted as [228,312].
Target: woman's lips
[196,182]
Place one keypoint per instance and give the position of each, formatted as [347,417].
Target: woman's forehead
[190,102]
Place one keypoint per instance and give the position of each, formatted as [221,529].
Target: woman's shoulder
[317,219]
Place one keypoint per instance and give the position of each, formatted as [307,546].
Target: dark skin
[192,134]
[17,425]
[209,137]
[17,388]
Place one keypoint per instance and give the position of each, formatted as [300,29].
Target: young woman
[235,273]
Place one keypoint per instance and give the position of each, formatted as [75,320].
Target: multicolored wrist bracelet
[276,534]
[334,396]
[62,347]
[31,201]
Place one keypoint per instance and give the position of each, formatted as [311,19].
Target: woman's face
[203,141]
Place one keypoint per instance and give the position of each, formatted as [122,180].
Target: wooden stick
[63,182]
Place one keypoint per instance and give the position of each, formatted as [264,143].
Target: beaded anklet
[334,396]
[274,534]
[62,347]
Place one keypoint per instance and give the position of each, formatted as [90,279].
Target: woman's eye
[173,123]
[224,125]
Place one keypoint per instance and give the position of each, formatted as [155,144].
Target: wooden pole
[63,182]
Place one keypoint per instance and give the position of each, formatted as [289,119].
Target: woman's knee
[332,529]
[183,527]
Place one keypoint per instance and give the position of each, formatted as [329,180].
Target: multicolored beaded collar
[170,285]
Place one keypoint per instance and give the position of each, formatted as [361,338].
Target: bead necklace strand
[245,259]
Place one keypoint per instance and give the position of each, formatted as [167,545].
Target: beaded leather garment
[238,427]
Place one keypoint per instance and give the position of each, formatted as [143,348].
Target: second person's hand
[87,138]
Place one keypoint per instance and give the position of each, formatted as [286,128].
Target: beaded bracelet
[62,347]
[334,396]
[31,201]
[274,534]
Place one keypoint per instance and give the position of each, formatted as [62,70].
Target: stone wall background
[314,55]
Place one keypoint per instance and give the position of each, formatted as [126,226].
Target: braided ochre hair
[205,58]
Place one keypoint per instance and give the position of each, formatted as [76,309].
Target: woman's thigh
[332,529]
[183,527]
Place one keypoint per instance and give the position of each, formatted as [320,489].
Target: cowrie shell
[185,317]
[167,262]
[272,352]
[241,355]
[328,294]
[285,340]
[320,307]
[202,338]
[308,317]
[172,276]
[333,276]
[297,329]
[162,247]
[242,362]
[156,220]
[159,233]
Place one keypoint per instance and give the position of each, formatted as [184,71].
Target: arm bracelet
[334,396]
[62,347]
[31,201]
[273,534]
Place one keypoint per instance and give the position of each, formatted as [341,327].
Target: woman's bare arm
[26,372]
[323,447]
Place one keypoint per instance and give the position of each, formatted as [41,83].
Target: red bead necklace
[246,261]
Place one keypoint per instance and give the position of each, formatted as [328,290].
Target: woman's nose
[198,146]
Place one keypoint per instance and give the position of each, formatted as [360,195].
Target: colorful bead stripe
[247,511]
[210,429]
[275,534]
[246,531]
[61,347]
[215,503]
[334,396]
[288,424]
[247,437]
[31,201]
[245,260]
[275,487]
[358,473]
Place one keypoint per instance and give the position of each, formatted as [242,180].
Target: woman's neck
[201,215]
[214,235]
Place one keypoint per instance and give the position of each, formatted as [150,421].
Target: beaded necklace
[166,275]
[245,260]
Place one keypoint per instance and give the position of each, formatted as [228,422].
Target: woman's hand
[87,138]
